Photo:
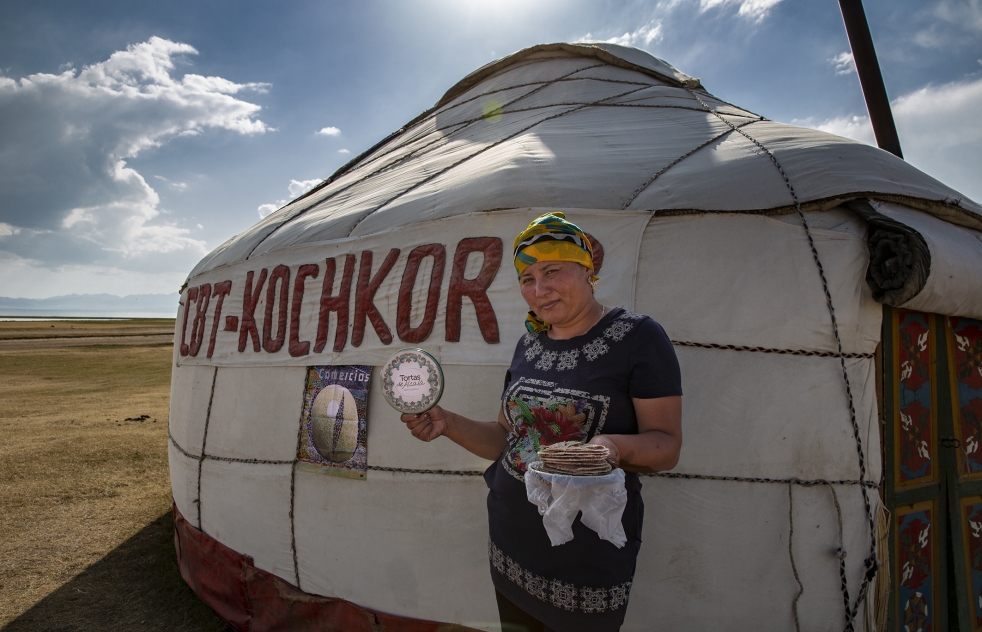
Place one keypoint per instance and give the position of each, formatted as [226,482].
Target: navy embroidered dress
[560,390]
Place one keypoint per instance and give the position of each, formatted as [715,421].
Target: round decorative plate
[412,381]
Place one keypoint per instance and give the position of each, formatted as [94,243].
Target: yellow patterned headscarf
[550,237]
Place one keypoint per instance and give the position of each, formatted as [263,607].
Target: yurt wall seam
[406,128]
[482,150]
[204,442]
[658,173]
[871,562]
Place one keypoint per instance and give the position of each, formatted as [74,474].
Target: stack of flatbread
[575,458]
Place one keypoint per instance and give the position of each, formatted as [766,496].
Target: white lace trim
[560,594]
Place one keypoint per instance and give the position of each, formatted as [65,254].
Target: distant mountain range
[93,306]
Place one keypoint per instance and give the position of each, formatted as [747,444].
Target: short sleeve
[654,365]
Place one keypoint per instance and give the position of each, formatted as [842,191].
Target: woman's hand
[486,439]
[657,445]
[615,455]
[429,425]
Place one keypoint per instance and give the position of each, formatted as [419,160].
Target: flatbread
[575,458]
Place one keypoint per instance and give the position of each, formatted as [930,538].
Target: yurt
[823,297]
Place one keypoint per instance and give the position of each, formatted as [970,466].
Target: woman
[583,372]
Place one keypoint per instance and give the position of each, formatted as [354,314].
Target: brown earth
[86,538]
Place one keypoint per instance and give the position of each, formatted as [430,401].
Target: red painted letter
[475,289]
[298,348]
[191,296]
[365,297]
[219,291]
[281,277]
[404,311]
[200,318]
[337,304]
[249,301]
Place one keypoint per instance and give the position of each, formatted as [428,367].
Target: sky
[136,137]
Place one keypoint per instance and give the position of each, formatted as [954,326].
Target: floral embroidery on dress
[558,593]
[619,595]
[536,425]
[563,595]
[594,349]
[594,599]
[546,361]
[537,586]
[618,329]
[533,350]
[615,332]
[567,360]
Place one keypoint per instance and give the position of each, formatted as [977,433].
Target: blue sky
[136,137]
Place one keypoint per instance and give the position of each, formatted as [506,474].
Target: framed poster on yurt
[333,422]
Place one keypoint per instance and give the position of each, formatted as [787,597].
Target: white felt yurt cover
[728,229]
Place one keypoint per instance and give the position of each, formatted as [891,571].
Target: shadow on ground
[137,586]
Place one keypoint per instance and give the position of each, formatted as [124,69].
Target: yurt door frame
[932,422]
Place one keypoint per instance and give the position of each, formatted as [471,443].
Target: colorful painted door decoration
[965,360]
[971,511]
[917,562]
[915,423]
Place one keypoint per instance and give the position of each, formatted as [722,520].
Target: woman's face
[557,291]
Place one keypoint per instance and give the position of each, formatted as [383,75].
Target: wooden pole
[870,78]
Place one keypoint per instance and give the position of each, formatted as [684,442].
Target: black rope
[794,352]
[661,171]
[293,492]
[442,138]
[409,470]
[490,146]
[870,563]
[204,441]
[794,568]
[803,482]
[224,459]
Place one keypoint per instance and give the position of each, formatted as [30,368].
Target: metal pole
[868,69]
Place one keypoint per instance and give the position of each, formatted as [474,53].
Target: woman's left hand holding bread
[657,445]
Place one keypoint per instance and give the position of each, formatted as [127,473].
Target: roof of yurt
[603,126]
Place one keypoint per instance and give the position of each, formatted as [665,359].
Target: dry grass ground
[86,540]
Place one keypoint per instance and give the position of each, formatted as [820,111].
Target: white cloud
[940,132]
[953,23]
[65,184]
[844,63]
[21,277]
[328,131]
[200,227]
[299,187]
[650,32]
[755,10]
[296,189]
[170,184]
[343,151]
[267,209]
[6,230]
